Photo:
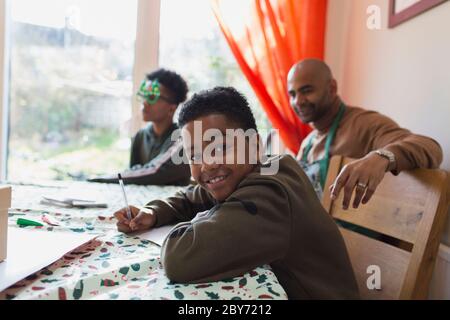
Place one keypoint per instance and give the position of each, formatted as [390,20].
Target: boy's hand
[142,219]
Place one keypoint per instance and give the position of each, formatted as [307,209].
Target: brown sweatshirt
[276,220]
[361,131]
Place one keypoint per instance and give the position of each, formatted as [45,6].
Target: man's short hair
[219,100]
[173,82]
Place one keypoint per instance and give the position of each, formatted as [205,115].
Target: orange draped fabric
[277,34]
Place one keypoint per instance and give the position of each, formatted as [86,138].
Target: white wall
[402,72]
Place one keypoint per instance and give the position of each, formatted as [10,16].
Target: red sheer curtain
[273,36]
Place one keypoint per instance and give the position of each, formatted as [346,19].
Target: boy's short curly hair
[219,100]
[172,81]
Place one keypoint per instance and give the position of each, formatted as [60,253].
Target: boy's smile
[219,176]
[215,181]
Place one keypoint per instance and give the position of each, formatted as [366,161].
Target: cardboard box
[5,203]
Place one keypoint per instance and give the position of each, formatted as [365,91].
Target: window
[73,65]
[70,87]
[192,44]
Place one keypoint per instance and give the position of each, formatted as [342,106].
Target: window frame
[4,84]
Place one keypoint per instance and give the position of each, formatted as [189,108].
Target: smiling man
[236,218]
[377,142]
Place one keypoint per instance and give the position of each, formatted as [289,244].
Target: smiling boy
[236,218]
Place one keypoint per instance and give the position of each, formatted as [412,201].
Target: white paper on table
[29,251]
[156,235]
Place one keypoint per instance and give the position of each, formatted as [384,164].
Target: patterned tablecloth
[115,265]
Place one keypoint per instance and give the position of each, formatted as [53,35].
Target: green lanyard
[323,163]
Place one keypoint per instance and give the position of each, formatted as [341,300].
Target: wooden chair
[410,209]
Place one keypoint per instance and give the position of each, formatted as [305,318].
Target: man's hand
[364,174]
[142,219]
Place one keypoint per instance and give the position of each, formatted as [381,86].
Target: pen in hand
[125,197]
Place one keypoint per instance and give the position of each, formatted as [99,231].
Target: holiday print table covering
[115,265]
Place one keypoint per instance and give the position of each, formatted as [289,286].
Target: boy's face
[161,110]
[220,173]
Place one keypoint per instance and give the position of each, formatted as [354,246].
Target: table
[115,265]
